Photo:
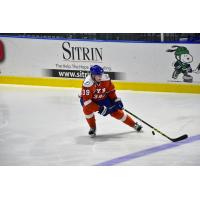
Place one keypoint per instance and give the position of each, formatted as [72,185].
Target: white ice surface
[46,126]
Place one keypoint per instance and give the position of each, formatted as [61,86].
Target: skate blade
[92,135]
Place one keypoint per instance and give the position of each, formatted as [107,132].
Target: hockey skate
[137,127]
[92,132]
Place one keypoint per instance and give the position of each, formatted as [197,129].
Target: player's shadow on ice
[86,140]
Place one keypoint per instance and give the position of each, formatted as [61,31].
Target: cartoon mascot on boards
[182,64]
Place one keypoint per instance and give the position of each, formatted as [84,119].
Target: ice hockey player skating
[98,95]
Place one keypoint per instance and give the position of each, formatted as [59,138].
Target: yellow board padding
[120,85]
[54,82]
[159,87]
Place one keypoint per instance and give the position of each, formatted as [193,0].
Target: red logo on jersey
[1,51]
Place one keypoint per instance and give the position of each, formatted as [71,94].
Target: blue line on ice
[149,151]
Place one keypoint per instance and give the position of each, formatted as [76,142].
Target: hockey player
[98,95]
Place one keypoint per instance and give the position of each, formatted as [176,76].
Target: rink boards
[65,63]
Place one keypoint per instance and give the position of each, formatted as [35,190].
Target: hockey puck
[153,132]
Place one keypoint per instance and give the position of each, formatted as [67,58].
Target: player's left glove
[118,103]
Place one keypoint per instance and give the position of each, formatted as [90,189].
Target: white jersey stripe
[87,102]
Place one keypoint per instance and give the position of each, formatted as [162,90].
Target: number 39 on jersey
[85,92]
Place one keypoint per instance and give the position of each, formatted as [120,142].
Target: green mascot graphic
[182,64]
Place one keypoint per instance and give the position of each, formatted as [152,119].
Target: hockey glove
[118,103]
[103,110]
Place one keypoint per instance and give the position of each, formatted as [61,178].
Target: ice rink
[46,126]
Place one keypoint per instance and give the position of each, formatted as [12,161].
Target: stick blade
[183,137]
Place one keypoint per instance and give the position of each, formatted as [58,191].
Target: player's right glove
[103,110]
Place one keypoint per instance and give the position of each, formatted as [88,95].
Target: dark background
[151,37]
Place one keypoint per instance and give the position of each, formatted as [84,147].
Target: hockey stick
[172,139]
